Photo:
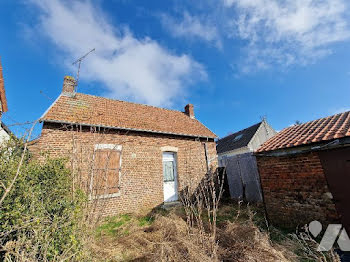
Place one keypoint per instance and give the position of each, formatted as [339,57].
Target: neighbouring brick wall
[141,185]
[295,190]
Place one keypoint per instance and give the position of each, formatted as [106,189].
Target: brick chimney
[189,110]
[68,84]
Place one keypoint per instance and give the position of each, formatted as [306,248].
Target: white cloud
[287,32]
[339,110]
[192,27]
[228,2]
[130,68]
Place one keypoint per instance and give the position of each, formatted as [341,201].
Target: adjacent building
[305,172]
[132,156]
[244,141]
[235,153]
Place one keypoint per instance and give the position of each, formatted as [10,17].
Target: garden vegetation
[40,217]
[45,216]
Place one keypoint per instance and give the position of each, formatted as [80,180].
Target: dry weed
[167,239]
[245,242]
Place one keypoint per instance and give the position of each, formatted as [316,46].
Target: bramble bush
[41,217]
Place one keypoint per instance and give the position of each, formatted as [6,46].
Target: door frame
[174,160]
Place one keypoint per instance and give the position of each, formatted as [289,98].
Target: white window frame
[115,147]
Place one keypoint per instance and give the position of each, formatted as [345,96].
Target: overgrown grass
[162,235]
[121,225]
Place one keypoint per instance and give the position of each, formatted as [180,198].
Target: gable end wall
[264,133]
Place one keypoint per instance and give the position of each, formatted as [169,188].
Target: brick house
[148,154]
[305,172]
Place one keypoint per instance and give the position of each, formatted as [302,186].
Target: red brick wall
[295,189]
[141,184]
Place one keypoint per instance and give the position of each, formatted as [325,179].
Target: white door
[169,177]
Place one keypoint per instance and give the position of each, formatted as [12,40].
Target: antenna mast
[79,63]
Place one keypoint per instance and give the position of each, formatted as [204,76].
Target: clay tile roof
[324,129]
[99,111]
[2,92]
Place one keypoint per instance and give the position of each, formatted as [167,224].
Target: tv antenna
[78,61]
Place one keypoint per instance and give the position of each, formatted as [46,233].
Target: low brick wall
[295,190]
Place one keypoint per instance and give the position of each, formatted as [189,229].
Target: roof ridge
[259,123]
[123,114]
[329,116]
[123,101]
[298,125]
[318,130]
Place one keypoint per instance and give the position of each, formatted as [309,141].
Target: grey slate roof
[229,142]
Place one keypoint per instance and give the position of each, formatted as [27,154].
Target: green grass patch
[112,225]
[145,221]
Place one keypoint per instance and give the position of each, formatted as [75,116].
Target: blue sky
[236,61]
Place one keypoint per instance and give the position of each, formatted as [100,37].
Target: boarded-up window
[107,162]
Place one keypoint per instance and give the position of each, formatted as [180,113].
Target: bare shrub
[306,246]
[201,198]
